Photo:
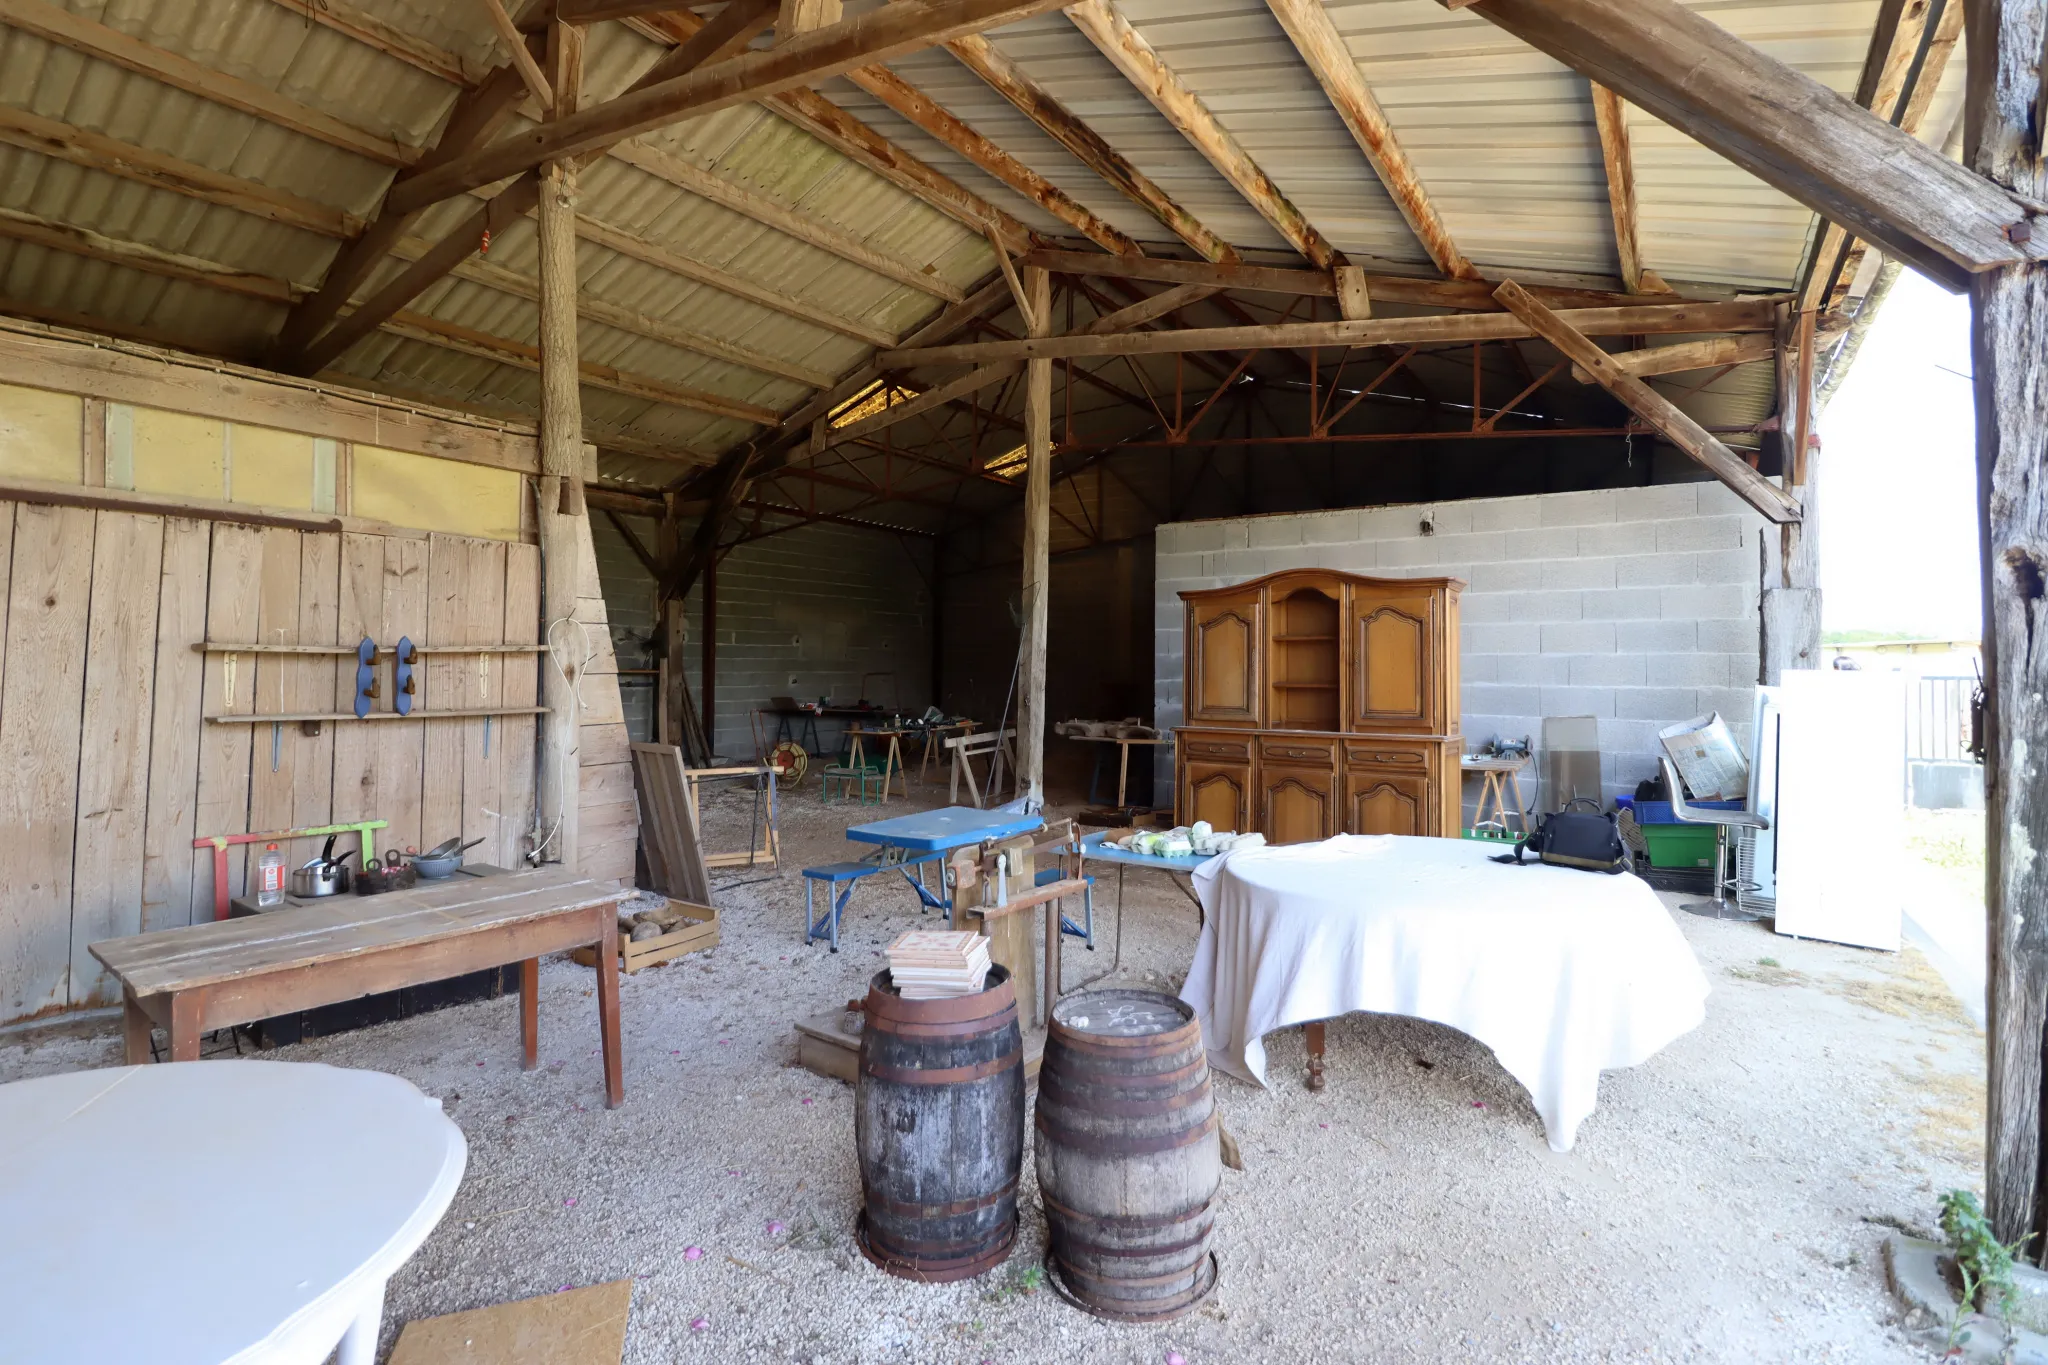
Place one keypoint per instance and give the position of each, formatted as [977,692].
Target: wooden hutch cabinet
[1321,703]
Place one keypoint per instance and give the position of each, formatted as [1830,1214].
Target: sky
[1899,517]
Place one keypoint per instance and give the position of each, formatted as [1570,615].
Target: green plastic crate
[1680,846]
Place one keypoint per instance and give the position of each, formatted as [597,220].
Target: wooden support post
[708,650]
[1791,596]
[1037,546]
[2010,357]
[561,453]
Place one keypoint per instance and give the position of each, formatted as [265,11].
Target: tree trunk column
[562,507]
[2010,355]
[1037,545]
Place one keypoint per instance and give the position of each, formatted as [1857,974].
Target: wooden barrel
[1129,1160]
[939,1124]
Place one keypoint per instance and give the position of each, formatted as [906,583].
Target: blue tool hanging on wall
[366,676]
[402,676]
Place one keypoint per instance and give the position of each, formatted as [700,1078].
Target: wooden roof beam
[1309,25]
[898,28]
[478,114]
[1787,129]
[1889,89]
[55,24]
[476,117]
[826,121]
[1107,28]
[1036,103]
[1463,327]
[626,319]
[159,170]
[520,355]
[926,113]
[1609,119]
[1708,354]
[1660,412]
[1472,295]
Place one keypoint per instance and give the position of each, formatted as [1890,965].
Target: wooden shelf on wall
[348,651]
[295,717]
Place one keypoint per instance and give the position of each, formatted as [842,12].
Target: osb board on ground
[823,1048]
[701,933]
[576,1327]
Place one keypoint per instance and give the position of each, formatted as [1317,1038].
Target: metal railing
[1938,719]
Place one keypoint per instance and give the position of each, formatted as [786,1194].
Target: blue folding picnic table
[907,843]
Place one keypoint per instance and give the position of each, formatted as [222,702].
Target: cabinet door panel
[1219,793]
[1386,802]
[1223,660]
[1393,660]
[1296,805]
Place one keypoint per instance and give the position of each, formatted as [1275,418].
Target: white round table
[198,1213]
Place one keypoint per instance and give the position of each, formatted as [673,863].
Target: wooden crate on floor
[701,933]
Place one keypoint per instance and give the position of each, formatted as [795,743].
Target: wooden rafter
[826,121]
[1786,128]
[898,28]
[927,114]
[1126,48]
[387,38]
[803,227]
[1315,36]
[626,319]
[159,170]
[172,265]
[1891,89]
[1660,412]
[1709,354]
[936,396]
[1467,327]
[1031,99]
[475,117]
[58,25]
[1472,295]
[1610,120]
[668,258]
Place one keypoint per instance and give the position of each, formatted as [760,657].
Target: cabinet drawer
[1385,758]
[1225,748]
[1320,751]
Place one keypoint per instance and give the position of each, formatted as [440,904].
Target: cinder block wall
[808,613]
[1634,605]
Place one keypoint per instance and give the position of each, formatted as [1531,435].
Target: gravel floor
[1726,1202]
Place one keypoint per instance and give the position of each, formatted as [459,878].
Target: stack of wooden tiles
[938,964]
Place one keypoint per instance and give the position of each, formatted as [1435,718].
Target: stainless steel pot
[320,878]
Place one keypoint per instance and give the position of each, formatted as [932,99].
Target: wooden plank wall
[111,771]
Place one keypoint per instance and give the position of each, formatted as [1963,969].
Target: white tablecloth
[1563,973]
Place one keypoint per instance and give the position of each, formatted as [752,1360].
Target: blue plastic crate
[1659,812]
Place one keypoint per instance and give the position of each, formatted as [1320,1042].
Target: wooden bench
[209,976]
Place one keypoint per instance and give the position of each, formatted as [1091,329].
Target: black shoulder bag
[1570,838]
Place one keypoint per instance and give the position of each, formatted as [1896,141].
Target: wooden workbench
[201,977]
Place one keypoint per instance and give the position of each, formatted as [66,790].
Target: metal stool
[1723,821]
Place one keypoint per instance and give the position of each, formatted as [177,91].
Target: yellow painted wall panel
[434,495]
[180,455]
[40,435]
[271,468]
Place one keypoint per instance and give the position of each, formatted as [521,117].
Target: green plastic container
[1680,846]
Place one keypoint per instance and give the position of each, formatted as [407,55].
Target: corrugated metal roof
[1502,137]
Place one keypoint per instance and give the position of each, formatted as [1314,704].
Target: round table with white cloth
[198,1213]
[1562,972]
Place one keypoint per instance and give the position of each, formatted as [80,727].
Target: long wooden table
[193,979]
